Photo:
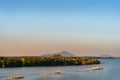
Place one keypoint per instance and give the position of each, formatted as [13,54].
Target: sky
[82,27]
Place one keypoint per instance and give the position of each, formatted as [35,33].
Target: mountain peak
[62,53]
[66,54]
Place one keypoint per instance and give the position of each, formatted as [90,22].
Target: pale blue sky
[48,21]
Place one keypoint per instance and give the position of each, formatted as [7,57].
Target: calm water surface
[111,71]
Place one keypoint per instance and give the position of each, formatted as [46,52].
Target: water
[111,71]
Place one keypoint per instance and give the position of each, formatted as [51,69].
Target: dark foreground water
[111,71]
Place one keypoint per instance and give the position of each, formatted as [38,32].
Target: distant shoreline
[6,62]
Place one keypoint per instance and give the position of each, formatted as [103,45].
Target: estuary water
[111,71]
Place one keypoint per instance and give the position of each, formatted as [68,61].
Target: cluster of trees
[44,61]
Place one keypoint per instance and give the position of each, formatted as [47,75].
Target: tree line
[44,61]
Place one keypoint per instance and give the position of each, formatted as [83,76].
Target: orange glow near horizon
[18,47]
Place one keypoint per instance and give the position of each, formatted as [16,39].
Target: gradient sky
[82,27]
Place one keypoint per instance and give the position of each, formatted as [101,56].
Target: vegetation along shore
[55,60]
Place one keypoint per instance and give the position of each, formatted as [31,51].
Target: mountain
[63,53]
[105,55]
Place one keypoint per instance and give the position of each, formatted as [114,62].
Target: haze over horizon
[82,27]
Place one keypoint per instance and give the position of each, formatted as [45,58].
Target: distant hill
[106,55]
[63,53]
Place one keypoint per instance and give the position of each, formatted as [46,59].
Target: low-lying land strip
[45,61]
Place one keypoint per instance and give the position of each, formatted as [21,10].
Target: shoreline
[6,62]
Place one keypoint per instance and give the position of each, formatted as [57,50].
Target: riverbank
[45,61]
